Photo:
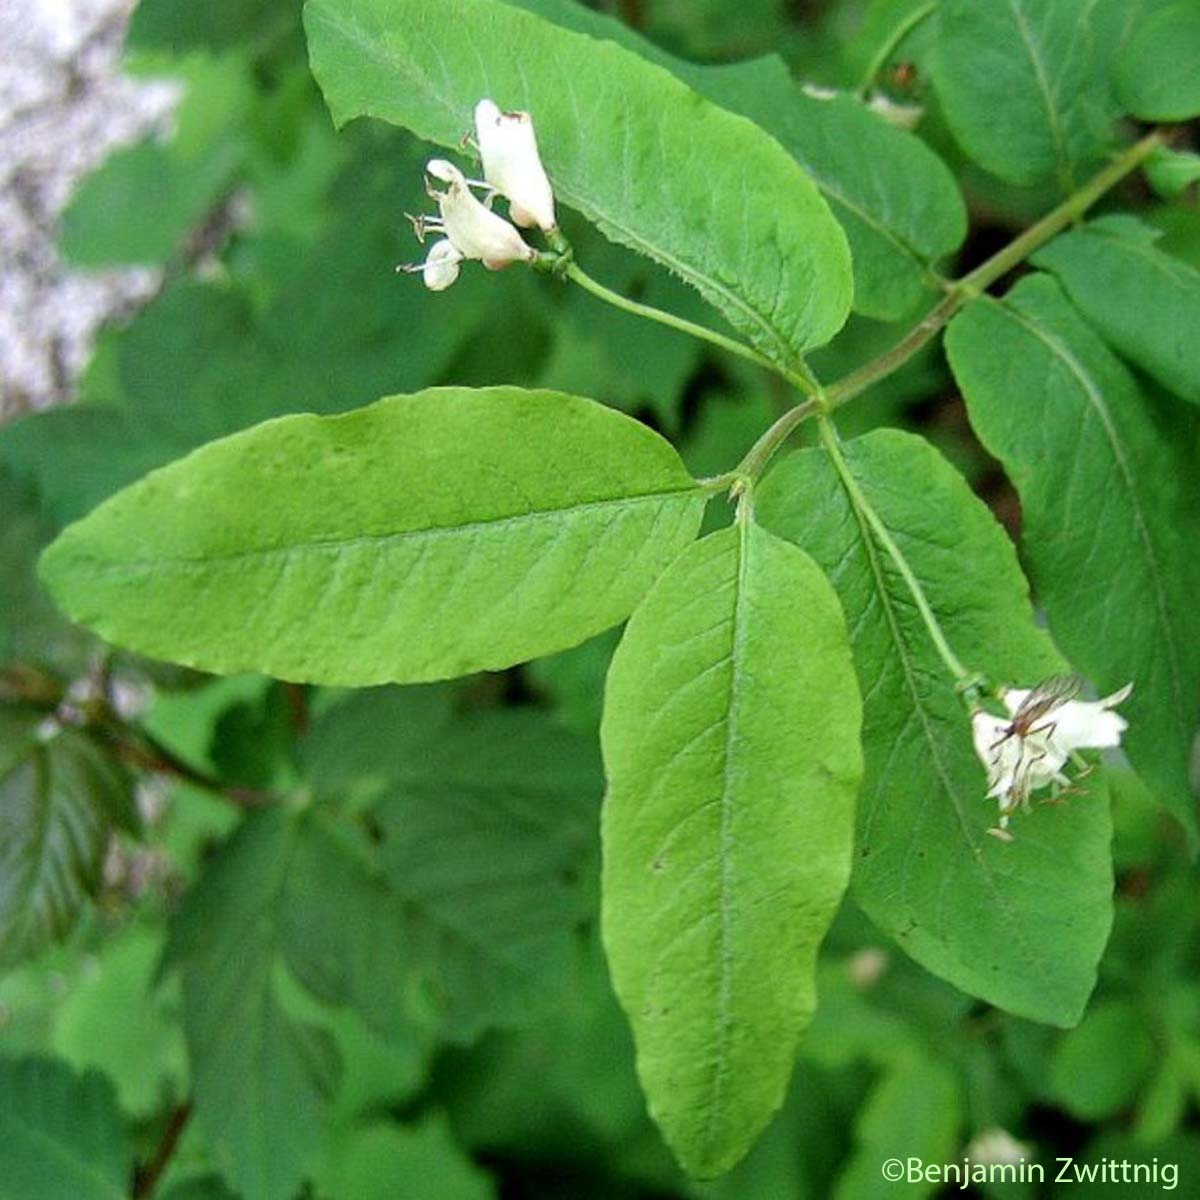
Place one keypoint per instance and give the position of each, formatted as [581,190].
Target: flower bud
[440,268]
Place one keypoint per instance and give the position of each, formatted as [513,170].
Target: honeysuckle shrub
[613,653]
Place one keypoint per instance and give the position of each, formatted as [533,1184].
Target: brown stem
[148,754]
[146,1178]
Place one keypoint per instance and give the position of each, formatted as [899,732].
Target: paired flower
[1045,727]
[512,165]
[471,230]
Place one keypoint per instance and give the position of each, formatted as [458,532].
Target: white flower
[1045,727]
[512,165]
[472,227]
[470,230]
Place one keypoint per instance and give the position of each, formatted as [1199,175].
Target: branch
[146,1178]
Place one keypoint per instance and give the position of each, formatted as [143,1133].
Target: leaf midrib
[872,554]
[724,834]
[339,544]
[1056,132]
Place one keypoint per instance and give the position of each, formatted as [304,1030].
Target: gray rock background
[64,107]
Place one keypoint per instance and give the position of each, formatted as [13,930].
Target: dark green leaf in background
[1019,925]
[261,1081]
[912,1112]
[146,199]
[180,25]
[654,166]
[61,1134]
[1145,303]
[392,543]
[1098,1067]
[1023,85]
[60,798]
[730,740]
[487,836]
[1106,472]
[383,1161]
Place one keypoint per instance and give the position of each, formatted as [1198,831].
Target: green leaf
[657,168]
[260,1080]
[1022,86]
[385,1161]
[1112,270]
[31,629]
[1110,511]
[1020,925]
[61,1134]
[1157,75]
[895,199]
[179,25]
[143,201]
[60,797]
[423,537]
[114,1020]
[363,740]
[463,910]
[915,1111]
[486,837]
[730,739]
[1171,172]
[1087,1078]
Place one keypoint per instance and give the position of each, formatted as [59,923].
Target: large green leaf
[1144,302]
[896,200]
[1022,85]
[730,739]
[651,163]
[1111,511]
[1158,72]
[1019,925]
[260,1080]
[61,1134]
[60,798]
[423,537]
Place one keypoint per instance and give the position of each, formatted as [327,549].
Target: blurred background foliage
[344,945]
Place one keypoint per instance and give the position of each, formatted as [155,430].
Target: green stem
[799,376]
[977,281]
[902,30]
[957,294]
[867,514]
